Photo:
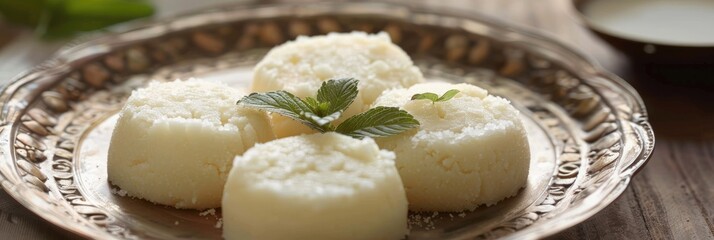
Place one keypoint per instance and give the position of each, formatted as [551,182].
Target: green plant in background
[57,18]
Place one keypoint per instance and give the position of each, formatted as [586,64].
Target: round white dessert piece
[174,143]
[300,67]
[318,186]
[468,151]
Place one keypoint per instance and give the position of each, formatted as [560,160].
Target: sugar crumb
[219,223]
[120,192]
[417,220]
[211,211]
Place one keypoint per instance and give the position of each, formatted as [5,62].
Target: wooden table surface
[671,198]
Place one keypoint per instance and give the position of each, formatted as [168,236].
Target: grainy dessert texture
[318,186]
[174,142]
[300,67]
[468,151]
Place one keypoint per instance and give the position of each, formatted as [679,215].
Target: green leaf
[448,95]
[319,108]
[332,99]
[378,122]
[117,10]
[435,98]
[430,96]
[56,18]
[283,103]
[340,93]
[312,103]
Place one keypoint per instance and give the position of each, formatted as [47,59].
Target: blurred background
[664,48]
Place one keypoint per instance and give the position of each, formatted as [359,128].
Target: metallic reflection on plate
[588,129]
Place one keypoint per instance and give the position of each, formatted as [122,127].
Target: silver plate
[588,129]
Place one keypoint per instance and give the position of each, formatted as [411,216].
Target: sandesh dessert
[174,142]
[319,186]
[300,67]
[336,184]
[362,140]
[469,150]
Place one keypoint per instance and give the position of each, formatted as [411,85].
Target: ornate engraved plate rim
[637,132]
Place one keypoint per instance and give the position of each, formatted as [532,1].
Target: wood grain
[671,198]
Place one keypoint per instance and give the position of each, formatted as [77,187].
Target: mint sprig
[338,94]
[434,97]
[286,104]
[378,122]
[332,99]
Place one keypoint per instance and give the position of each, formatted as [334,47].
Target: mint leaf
[283,103]
[340,93]
[430,96]
[434,97]
[313,103]
[448,95]
[319,108]
[378,122]
[333,97]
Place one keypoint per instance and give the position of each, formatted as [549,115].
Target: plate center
[157,221]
